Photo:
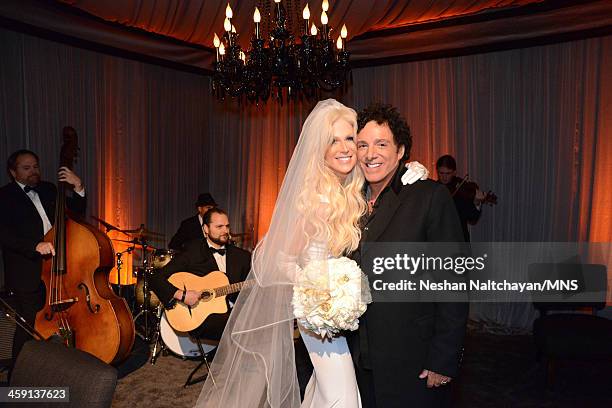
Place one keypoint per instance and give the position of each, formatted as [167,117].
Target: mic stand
[145,309]
[157,340]
[19,320]
[119,264]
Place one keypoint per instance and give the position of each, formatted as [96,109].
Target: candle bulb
[324,21]
[228,12]
[217,43]
[257,20]
[325,5]
[227,26]
[306,17]
[339,43]
[313,30]
[344,32]
[222,50]
[233,29]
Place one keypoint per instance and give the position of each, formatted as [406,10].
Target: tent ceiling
[181,32]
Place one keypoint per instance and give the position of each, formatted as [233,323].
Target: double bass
[80,305]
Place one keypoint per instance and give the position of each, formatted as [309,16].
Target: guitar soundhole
[207,295]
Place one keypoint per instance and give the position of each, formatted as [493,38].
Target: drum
[178,342]
[139,293]
[161,258]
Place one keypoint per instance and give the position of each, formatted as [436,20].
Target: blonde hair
[331,208]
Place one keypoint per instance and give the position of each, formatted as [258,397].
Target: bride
[316,218]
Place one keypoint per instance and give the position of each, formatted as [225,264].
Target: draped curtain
[378,31]
[531,124]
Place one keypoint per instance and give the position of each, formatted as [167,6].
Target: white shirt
[39,207]
[221,259]
[201,224]
[33,195]
[221,263]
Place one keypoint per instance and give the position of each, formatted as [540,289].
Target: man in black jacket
[469,210]
[191,228]
[405,353]
[27,213]
[214,253]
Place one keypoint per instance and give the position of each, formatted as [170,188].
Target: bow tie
[27,189]
[219,251]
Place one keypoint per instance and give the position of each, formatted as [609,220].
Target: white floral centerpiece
[330,296]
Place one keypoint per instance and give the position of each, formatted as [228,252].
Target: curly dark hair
[388,114]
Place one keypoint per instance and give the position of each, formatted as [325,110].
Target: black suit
[190,230]
[468,212]
[396,341]
[198,258]
[22,230]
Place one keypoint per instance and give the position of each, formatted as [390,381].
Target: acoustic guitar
[214,286]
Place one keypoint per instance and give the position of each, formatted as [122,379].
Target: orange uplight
[127,268]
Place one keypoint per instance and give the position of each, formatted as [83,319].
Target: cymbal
[142,231]
[134,241]
[129,241]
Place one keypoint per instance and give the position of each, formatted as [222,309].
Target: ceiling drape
[180,33]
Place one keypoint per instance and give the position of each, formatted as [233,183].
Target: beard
[220,240]
[32,180]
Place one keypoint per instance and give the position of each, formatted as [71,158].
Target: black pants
[421,395]
[27,304]
[365,382]
[212,328]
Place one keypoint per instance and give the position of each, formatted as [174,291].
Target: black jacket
[22,229]
[468,212]
[398,340]
[189,230]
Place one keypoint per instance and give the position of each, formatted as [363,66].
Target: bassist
[27,210]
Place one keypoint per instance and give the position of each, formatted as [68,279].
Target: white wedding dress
[333,382]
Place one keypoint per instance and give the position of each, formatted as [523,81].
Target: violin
[466,190]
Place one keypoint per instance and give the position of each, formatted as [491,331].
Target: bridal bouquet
[330,295]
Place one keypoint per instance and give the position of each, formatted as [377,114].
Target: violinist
[467,196]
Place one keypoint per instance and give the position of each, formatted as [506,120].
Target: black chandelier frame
[280,66]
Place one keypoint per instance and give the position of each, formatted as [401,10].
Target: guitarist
[213,253]
[468,203]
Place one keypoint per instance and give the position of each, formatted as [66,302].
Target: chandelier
[279,65]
